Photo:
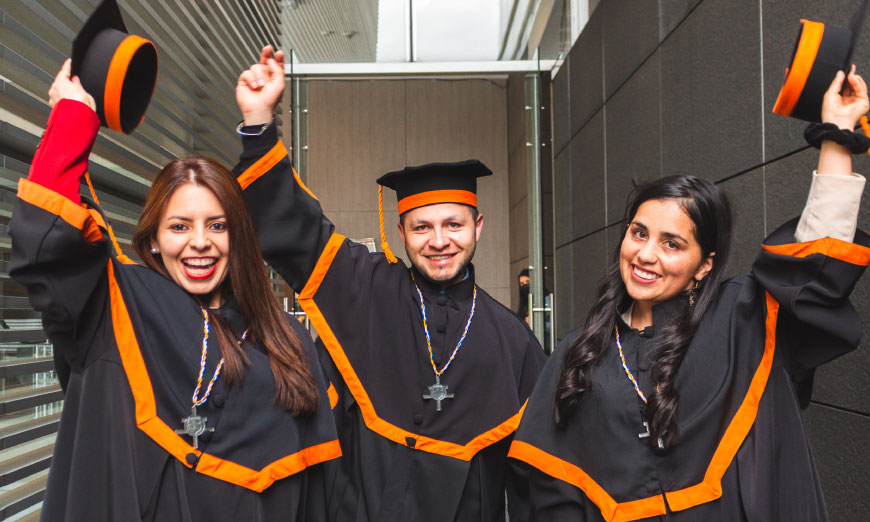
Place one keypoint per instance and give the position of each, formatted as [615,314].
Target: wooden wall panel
[358,130]
[455,120]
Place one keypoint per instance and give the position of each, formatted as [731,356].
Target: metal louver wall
[331,31]
[202,47]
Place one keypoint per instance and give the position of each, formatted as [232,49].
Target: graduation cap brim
[435,183]
[819,52]
[118,69]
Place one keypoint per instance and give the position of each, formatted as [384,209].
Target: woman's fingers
[857,85]
[836,85]
[63,73]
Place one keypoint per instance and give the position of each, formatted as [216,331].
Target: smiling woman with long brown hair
[192,396]
[679,399]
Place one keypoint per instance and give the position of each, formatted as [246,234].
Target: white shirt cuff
[832,208]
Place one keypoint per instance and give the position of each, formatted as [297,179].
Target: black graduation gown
[743,454]
[403,460]
[132,339]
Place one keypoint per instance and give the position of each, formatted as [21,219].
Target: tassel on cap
[108,226]
[384,245]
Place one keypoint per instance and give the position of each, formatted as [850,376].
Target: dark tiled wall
[668,87]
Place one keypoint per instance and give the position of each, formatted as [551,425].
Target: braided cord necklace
[438,391]
[627,371]
[637,389]
[195,425]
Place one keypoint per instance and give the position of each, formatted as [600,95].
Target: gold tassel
[108,226]
[384,246]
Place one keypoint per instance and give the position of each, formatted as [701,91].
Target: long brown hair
[296,389]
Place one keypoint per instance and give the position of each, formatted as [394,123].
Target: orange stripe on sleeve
[827,246]
[804,57]
[299,182]
[262,165]
[88,221]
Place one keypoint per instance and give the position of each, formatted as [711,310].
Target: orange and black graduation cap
[820,51]
[117,68]
[435,183]
[429,184]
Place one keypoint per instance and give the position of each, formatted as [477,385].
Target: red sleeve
[62,156]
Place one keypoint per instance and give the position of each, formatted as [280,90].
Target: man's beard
[443,280]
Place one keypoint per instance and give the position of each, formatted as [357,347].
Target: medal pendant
[194,426]
[646,434]
[437,393]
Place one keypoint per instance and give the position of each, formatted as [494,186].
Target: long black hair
[710,212]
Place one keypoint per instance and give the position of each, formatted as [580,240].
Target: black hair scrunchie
[816,133]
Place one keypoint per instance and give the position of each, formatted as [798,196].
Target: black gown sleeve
[290,224]
[812,282]
[59,247]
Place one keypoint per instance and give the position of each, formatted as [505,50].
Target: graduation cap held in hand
[820,51]
[117,68]
[430,184]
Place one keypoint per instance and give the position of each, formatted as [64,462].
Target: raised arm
[59,251]
[291,227]
[810,265]
[835,194]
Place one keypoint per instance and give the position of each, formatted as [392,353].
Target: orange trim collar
[355,386]
[706,491]
[148,421]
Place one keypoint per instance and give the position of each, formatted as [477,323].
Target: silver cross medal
[438,392]
[194,425]
[646,434]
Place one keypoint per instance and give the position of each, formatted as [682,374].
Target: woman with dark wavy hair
[191,395]
[679,399]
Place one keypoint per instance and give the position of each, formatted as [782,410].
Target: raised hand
[845,109]
[260,88]
[66,87]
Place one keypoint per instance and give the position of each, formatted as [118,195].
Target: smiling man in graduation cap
[429,373]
